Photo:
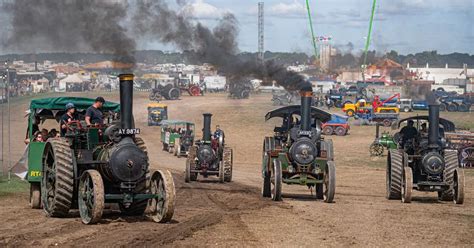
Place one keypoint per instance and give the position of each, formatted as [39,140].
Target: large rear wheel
[191,165]
[276,180]
[394,174]
[451,164]
[161,209]
[91,197]
[329,182]
[228,163]
[407,186]
[58,178]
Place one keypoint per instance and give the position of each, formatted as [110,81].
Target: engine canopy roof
[316,113]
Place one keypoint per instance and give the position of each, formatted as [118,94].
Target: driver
[218,133]
[408,132]
[67,117]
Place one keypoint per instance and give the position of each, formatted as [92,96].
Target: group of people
[93,117]
[410,132]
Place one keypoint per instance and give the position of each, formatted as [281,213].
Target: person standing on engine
[94,115]
[67,117]
[218,133]
[408,132]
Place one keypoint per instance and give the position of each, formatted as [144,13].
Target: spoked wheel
[35,195]
[58,178]
[276,180]
[329,182]
[228,160]
[458,186]
[161,208]
[407,185]
[221,172]
[194,91]
[376,149]
[91,197]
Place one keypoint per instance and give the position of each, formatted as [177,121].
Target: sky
[407,26]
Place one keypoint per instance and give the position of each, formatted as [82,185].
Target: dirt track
[234,214]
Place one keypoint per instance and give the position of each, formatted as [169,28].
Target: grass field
[15,185]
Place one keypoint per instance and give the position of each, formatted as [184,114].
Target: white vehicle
[448,88]
[215,83]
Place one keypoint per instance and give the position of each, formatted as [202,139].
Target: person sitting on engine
[408,132]
[53,133]
[424,130]
[67,117]
[39,137]
[94,115]
[44,133]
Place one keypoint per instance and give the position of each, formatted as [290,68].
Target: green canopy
[81,103]
[174,122]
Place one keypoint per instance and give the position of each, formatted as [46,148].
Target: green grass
[15,185]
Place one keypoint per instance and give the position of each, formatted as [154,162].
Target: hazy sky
[404,25]
[407,26]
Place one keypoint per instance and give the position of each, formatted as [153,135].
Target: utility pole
[8,123]
[261,49]
[1,130]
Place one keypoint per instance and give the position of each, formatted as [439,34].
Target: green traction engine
[425,162]
[209,156]
[297,154]
[385,141]
[92,166]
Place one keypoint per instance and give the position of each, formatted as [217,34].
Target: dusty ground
[234,214]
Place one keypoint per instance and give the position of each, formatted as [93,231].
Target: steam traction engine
[209,156]
[425,163]
[92,166]
[297,154]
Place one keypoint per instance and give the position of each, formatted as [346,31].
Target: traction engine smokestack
[433,129]
[206,129]
[306,98]
[126,100]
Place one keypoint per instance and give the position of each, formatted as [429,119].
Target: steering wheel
[74,125]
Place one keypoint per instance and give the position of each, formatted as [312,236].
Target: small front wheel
[161,208]
[329,182]
[91,197]
[458,186]
[276,180]
[407,185]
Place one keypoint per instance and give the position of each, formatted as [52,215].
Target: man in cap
[94,115]
[67,117]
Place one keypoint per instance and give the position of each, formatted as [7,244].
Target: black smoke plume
[69,26]
[101,26]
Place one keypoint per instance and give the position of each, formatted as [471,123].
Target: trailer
[370,117]
[338,125]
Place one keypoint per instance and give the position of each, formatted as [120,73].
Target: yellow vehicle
[362,106]
[157,112]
